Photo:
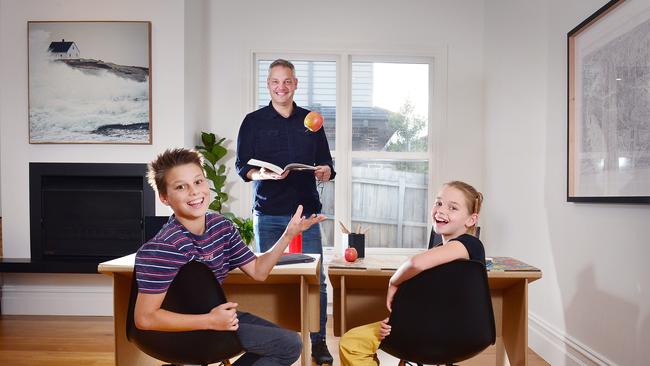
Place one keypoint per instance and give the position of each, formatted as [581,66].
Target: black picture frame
[608,107]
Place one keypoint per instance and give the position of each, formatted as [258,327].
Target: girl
[455,214]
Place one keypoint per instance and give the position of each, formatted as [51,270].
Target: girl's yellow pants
[358,346]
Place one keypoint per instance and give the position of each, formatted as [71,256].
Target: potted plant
[213,151]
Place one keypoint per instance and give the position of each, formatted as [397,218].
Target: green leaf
[208,139]
[215,206]
[245,228]
[208,170]
[219,152]
[219,180]
[210,157]
[230,216]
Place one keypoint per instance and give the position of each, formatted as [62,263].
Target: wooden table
[289,297]
[360,298]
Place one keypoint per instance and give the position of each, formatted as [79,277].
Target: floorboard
[88,341]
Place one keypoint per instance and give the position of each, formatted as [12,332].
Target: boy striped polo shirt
[221,248]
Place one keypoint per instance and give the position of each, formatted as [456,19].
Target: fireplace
[87,212]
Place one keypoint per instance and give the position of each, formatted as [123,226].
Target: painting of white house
[89,82]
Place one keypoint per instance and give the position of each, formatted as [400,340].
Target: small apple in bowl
[314,121]
[351,255]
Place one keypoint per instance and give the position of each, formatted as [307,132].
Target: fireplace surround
[82,214]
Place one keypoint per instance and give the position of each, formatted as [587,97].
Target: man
[276,134]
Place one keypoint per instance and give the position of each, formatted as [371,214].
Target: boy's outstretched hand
[298,223]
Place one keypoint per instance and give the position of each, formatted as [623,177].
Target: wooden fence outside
[394,204]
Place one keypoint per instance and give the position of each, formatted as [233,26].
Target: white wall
[593,304]
[358,26]
[506,67]
[167,19]
[202,52]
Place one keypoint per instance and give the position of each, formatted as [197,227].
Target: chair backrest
[194,290]
[443,315]
[435,239]
[152,225]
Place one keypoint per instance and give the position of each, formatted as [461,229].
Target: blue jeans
[265,343]
[268,230]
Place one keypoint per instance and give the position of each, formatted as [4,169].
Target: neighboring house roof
[358,113]
[60,47]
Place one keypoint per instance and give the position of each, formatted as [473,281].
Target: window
[384,142]
[390,171]
[317,92]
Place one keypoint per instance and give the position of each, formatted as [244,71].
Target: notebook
[291,258]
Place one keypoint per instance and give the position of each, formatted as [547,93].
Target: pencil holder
[358,242]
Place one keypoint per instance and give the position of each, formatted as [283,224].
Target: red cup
[295,245]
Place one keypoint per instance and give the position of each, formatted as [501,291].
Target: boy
[192,233]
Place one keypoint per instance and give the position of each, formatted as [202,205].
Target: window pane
[316,90]
[328,227]
[390,197]
[390,106]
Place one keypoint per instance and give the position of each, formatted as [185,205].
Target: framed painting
[89,82]
[609,105]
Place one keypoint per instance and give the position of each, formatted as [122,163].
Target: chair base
[406,363]
[223,363]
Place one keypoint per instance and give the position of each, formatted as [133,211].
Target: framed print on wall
[89,82]
[609,105]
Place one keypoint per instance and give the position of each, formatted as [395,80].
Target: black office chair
[194,290]
[435,239]
[443,315]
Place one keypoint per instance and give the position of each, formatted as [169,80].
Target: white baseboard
[52,300]
[559,349]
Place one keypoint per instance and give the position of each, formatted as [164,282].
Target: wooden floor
[88,341]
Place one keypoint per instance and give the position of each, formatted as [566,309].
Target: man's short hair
[169,159]
[283,63]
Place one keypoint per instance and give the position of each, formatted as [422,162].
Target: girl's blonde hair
[473,199]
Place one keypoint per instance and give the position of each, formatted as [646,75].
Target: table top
[125,265]
[501,267]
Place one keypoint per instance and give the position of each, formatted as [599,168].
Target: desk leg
[497,307]
[515,323]
[336,304]
[126,353]
[305,315]
[344,307]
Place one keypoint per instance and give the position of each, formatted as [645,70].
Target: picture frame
[608,138]
[89,82]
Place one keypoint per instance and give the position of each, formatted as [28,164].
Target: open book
[277,169]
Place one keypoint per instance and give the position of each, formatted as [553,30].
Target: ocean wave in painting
[93,103]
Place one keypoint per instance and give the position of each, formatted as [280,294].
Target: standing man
[276,134]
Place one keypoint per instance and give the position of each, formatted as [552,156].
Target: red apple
[351,255]
[314,121]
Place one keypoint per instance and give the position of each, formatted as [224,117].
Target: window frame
[343,153]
